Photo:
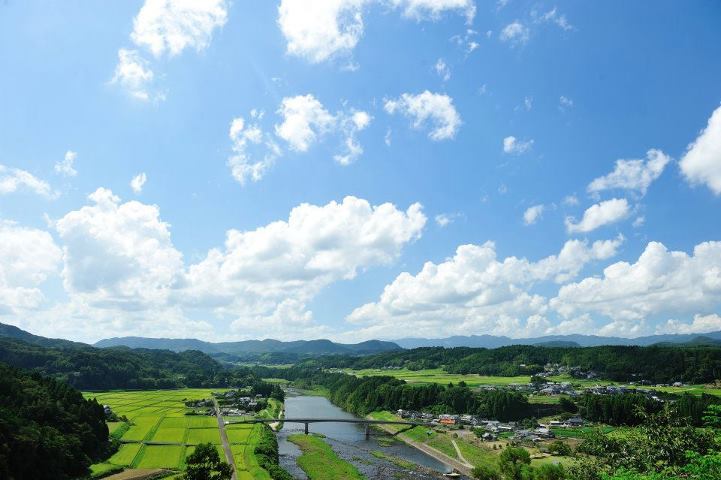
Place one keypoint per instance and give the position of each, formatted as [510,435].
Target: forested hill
[90,368]
[47,429]
[657,364]
[11,331]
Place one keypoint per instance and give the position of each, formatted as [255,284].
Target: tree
[205,464]
[483,472]
[514,463]
[550,471]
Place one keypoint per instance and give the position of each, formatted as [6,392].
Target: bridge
[367,422]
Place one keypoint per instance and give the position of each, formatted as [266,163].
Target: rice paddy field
[159,434]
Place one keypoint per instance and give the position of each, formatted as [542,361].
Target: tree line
[657,364]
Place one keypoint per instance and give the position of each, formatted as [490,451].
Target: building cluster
[239,402]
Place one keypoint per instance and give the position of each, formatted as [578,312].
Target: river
[349,442]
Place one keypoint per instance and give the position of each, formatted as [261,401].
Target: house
[574,422]
[446,419]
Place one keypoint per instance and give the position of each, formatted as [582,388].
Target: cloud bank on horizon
[228,172]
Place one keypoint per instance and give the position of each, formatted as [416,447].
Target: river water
[349,442]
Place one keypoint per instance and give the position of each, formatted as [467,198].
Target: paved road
[224,439]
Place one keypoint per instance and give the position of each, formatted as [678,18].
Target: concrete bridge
[367,422]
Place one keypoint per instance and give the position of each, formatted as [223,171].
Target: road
[224,439]
[460,455]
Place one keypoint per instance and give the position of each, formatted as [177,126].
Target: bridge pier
[368,431]
[306,428]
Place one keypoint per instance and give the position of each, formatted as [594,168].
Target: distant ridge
[298,347]
[492,341]
[11,331]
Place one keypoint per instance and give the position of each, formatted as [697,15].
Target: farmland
[159,434]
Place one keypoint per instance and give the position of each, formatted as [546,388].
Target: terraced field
[159,434]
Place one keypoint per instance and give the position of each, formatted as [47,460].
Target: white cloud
[319,31]
[700,324]
[570,200]
[432,110]
[442,70]
[254,151]
[702,162]
[133,74]
[14,179]
[565,103]
[445,219]
[433,9]
[304,120]
[171,26]
[600,214]
[515,33]
[138,182]
[634,175]
[257,271]
[532,214]
[557,18]
[117,255]
[27,258]
[661,282]
[350,125]
[513,146]
[639,221]
[474,292]
[65,166]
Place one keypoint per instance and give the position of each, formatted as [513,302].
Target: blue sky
[359,169]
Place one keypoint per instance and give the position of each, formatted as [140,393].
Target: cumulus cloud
[702,162]
[65,166]
[660,282]
[428,110]
[304,120]
[117,255]
[14,180]
[600,214]
[514,146]
[515,33]
[636,175]
[138,182]
[533,214]
[699,324]
[133,74]
[319,31]
[474,291]
[168,26]
[258,272]
[27,258]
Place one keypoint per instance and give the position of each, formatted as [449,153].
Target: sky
[359,169]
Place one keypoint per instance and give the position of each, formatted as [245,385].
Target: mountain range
[492,341]
[299,347]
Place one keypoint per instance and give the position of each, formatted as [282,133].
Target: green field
[159,434]
[320,462]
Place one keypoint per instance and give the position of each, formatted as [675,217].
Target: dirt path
[224,439]
[461,466]
[460,455]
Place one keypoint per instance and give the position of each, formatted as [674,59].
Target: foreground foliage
[47,429]
[205,464]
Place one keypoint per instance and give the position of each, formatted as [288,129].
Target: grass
[203,435]
[320,462]
[125,455]
[165,456]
